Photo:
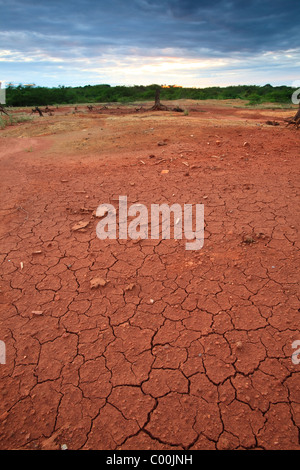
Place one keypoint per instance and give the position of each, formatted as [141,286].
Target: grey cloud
[220,25]
[96,29]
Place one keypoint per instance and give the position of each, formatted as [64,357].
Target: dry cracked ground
[174,349]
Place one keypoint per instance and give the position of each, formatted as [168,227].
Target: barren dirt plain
[175,349]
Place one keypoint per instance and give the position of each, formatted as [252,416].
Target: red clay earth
[179,349]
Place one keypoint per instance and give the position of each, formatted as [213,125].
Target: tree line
[23,95]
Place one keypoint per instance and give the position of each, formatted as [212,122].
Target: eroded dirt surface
[179,349]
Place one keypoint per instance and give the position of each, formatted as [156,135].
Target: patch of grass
[273,106]
[11,120]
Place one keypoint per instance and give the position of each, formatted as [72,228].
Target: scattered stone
[260,235]
[248,239]
[64,447]
[239,345]
[165,172]
[85,210]
[98,282]
[80,225]
[37,312]
[129,287]
[246,144]
[272,123]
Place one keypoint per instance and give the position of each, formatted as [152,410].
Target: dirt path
[180,349]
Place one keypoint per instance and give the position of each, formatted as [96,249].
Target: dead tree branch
[2,110]
[37,110]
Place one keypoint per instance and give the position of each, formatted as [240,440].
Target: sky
[192,43]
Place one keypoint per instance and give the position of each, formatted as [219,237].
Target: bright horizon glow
[117,70]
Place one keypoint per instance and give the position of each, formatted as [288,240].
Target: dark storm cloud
[78,40]
[220,25]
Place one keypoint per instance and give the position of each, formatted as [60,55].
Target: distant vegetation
[24,95]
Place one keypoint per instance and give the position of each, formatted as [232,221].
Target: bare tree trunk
[157,97]
[294,120]
[157,105]
[297,115]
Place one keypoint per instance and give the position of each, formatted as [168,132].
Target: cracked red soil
[196,353]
